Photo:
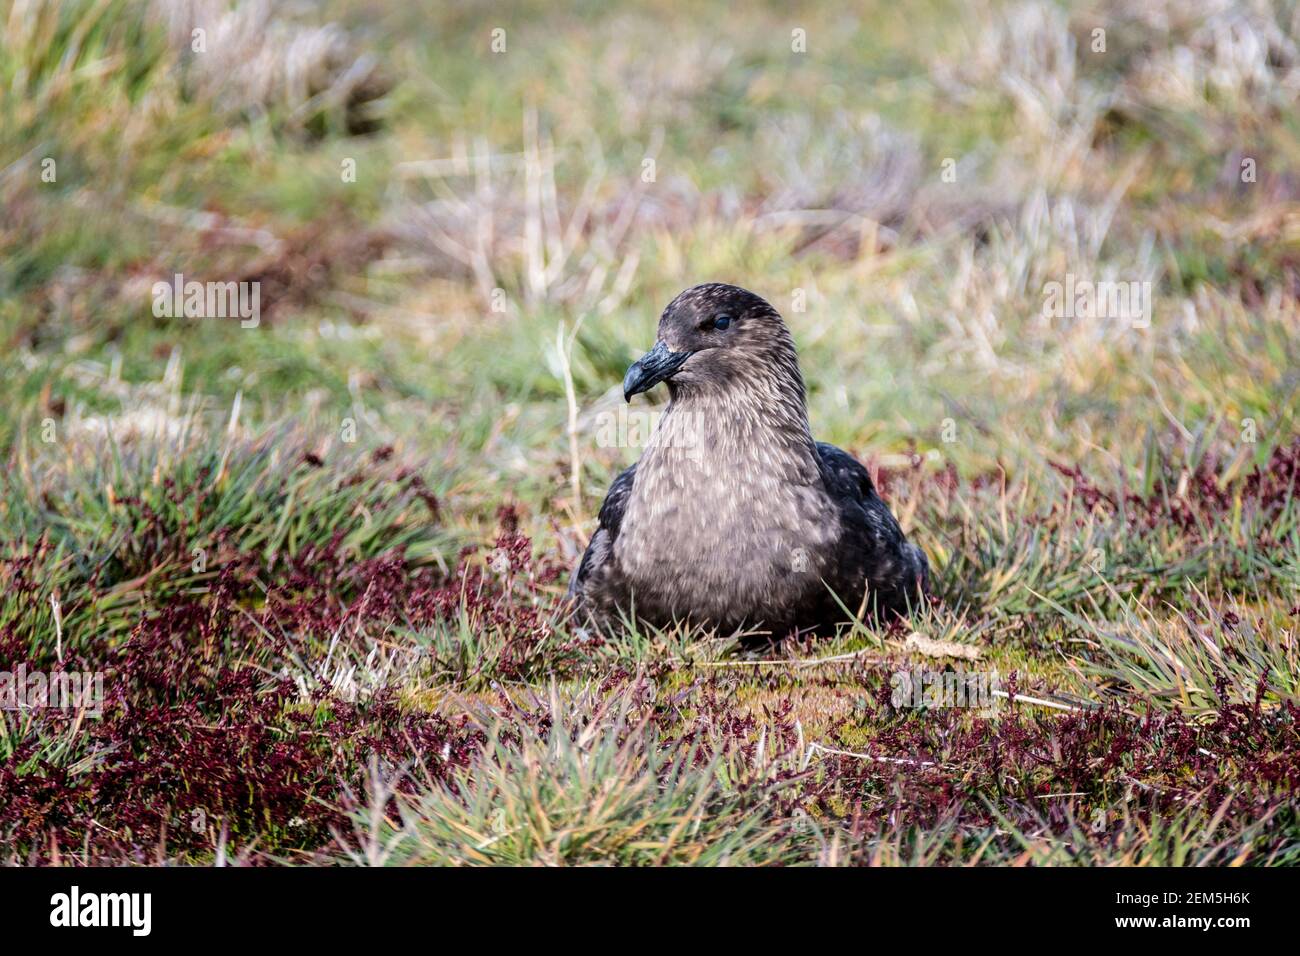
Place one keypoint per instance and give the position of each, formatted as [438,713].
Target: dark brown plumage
[735,517]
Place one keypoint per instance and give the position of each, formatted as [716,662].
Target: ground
[318,561]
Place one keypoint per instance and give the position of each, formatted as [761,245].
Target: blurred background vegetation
[817,174]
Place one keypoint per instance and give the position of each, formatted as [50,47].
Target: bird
[734,518]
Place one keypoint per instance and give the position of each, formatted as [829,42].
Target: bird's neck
[727,495]
[760,414]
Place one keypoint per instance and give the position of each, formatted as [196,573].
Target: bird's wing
[848,482]
[611,512]
[893,566]
[610,520]
[844,475]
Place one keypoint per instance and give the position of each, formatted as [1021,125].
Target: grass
[320,562]
[596,785]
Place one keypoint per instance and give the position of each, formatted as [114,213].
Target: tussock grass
[595,786]
[1197,661]
[106,526]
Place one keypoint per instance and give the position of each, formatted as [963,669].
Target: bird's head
[715,337]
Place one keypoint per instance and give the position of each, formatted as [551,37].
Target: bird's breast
[717,526]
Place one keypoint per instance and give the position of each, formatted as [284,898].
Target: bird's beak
[655,366]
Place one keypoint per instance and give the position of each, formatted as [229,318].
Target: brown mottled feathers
[735,517]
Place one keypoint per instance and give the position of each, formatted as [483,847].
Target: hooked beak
[655,366]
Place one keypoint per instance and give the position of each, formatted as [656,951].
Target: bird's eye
[721,322]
